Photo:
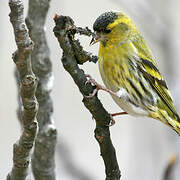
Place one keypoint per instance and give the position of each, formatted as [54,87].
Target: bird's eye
[107,31]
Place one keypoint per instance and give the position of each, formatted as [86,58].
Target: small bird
[129,70]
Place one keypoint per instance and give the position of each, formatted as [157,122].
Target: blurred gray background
[143,146]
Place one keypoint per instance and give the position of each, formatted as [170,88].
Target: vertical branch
[28,84]
[64,31]
[43,162]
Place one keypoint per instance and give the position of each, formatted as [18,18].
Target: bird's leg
[112,122]
[119,113]
[98,87]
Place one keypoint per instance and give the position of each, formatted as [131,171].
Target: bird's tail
[175,125]
[172,121]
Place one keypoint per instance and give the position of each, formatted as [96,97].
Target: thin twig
[43,160]
[28,84]
[169,169]
[70,62]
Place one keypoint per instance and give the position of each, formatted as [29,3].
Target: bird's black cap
[103,20]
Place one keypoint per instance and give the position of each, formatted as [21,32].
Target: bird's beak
[96,38]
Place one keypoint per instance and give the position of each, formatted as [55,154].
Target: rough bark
[28,84]
[43,162]
[64,31]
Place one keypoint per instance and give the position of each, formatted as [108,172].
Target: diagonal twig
[64,31]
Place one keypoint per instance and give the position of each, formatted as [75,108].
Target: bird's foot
[98,87]
[112,122]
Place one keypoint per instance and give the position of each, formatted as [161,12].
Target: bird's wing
[152,74]
[149,69]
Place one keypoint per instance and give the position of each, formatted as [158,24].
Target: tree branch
[43,162]
[168,173]
[64,31]
[28,84]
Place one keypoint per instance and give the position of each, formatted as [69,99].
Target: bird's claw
[98,87]
[112,121]
[93,82]
[93,93]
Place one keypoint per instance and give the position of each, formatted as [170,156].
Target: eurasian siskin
[130,72]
